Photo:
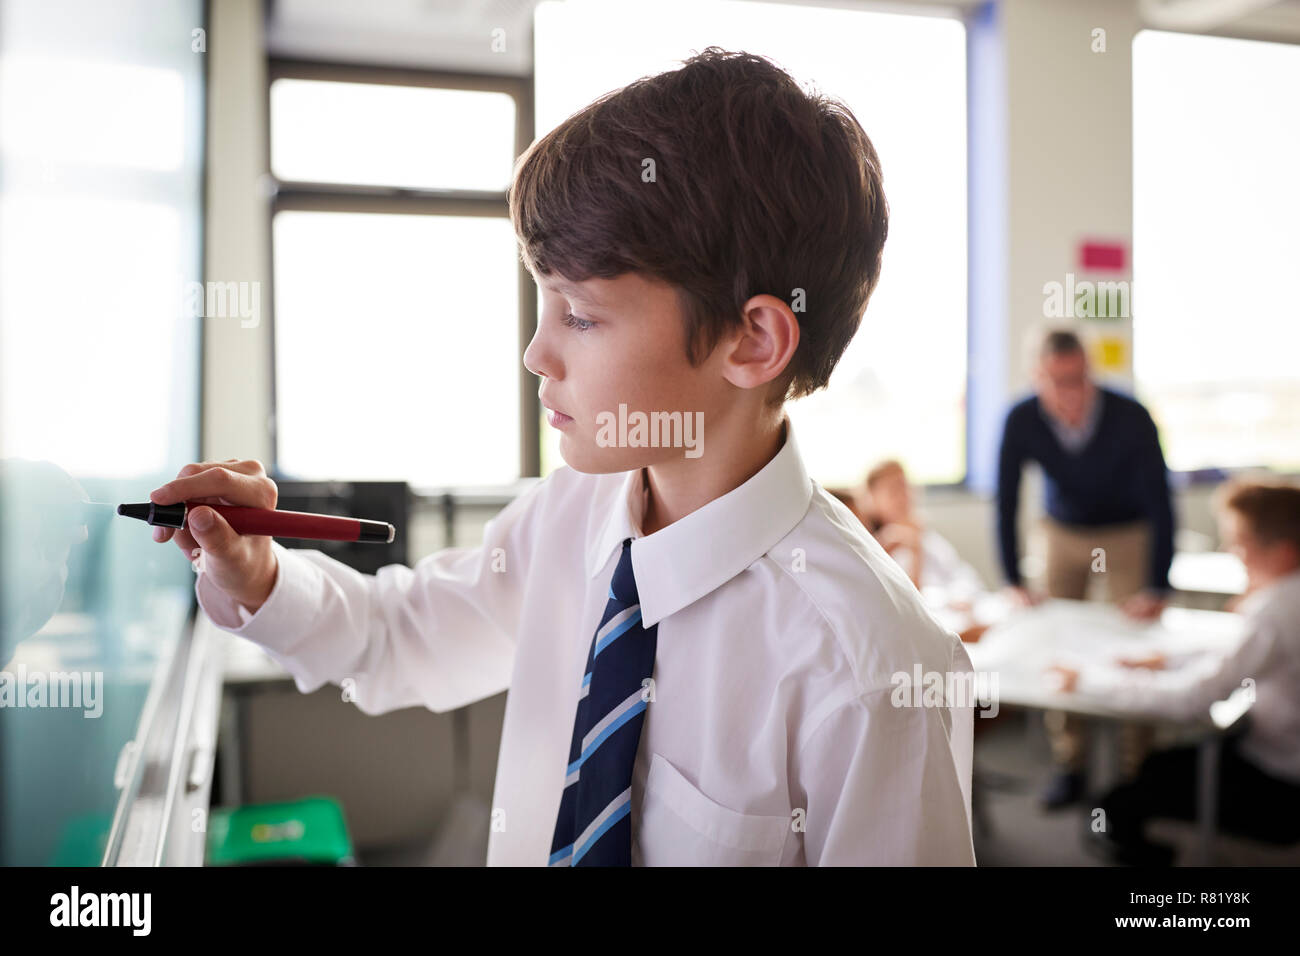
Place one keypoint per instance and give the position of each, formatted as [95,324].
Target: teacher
[1109,519]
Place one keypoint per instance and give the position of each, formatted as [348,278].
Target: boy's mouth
[556,418]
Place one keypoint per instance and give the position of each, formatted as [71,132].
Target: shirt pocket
[681,826]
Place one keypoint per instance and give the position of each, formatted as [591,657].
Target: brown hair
[882,469]
[845,497]
[1060,342]
[1271,508]
[758,187]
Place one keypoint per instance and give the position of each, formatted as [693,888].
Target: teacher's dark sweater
[1118,476]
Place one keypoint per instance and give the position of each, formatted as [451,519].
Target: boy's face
[1235,536]
[1263,561]
[624,344]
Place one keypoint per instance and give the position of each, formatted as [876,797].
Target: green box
[310,831]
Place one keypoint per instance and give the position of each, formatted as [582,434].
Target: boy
[1260,772]
[698,643]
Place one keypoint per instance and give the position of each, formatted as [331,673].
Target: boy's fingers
[250,466]
[249,487]
[211,531]
[184,540]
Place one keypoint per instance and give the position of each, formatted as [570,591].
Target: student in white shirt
[770,735]
[927,556]
[931,562]
[1260,768]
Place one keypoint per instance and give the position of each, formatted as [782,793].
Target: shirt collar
[1076,436]
[695,555]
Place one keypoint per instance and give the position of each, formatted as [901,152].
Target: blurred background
[242,228]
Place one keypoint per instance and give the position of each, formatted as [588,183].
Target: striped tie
[594,826]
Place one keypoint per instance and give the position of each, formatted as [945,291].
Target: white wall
[237,359]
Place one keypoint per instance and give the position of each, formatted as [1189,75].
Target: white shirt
[1268,654]
[771,738]
[1074,438]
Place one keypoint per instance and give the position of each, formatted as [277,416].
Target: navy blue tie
[594,825]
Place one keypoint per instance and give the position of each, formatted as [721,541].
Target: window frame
[297,196]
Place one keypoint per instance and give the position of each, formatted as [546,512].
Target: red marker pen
[268,521]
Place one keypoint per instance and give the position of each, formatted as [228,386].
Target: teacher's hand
[1022,596]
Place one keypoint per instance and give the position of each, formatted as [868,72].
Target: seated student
[932,563]
[700,650]
[927,556]
[1260,770]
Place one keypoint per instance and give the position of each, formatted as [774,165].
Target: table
[1090,634]
[1207,572]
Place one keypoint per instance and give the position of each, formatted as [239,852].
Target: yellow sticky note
[1111,353]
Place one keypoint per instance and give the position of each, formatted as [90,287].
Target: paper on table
[1090,637]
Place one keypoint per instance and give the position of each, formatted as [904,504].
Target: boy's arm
[889,785]
[440,634]
[1187,692]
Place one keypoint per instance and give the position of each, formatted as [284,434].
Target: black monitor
[374,500]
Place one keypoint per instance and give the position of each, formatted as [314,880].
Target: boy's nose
[539,358]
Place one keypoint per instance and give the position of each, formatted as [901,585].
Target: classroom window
[1215,202]
[396,278]
[899,391]
[376,135]
[408,348]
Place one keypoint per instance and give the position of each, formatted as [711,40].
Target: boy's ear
[759,350]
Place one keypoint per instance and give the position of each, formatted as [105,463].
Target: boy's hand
[896,535]
[1152,662]
[1066,678]
[1144,606]
[243,566]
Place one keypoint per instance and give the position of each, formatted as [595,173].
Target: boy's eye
[573,322]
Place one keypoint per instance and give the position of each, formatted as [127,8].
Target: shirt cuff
[277,624]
